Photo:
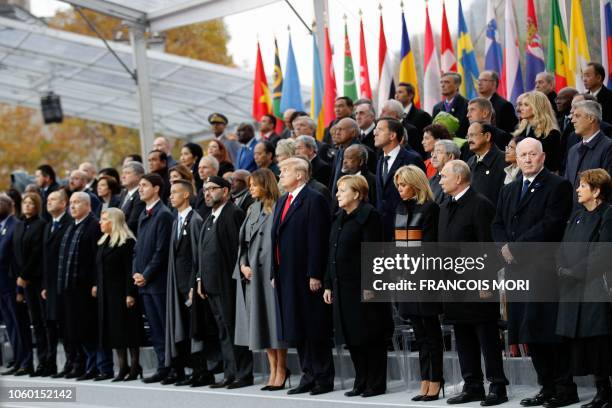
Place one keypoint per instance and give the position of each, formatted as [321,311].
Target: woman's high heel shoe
[419,397]
[281,387]
[121,374]
[437,396]
[135,372]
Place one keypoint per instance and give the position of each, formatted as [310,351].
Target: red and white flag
[448,61]
[431,77]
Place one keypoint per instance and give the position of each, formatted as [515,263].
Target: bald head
[78,180]
[162,144]
[347,131]
[564,99]
[89,170]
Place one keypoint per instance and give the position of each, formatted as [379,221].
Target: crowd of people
[256,245]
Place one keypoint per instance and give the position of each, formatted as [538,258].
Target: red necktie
[283,214]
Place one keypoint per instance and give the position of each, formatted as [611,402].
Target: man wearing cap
[218,252]
[218,123]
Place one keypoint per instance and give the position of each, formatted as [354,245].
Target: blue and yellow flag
[407,71]
[318,88]
[467,66]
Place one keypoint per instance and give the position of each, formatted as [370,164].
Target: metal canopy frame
[93,85]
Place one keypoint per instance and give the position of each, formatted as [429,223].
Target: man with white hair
[535,208]
[75,280]
[595,149]
[307,146]
[394,109]
[467,217]
[545,83]
[90,176]
[162,144]
[443,152]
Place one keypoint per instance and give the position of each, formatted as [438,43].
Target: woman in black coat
[27,267]
[120,323]
[365,327]
[588,324]
[538,121]
[416,221]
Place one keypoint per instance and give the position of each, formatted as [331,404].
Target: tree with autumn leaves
[25,142]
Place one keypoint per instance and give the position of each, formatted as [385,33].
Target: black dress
[119,326]
[588,324]
[551,145]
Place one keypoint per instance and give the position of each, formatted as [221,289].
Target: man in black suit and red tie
[535,208]
[388,136]
[453,102]
[300,235]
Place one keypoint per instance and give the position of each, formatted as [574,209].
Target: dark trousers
[22,350]
[155,310]
[370,362]
[237,360]
[316,362]
[35,309]
[52,332]
[552,364]
[428,333]
[472,340]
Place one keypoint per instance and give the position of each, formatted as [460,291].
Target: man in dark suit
[488,162]
[76,278]
[78,182]
[218,248]
[130,202]
[307,146]
[264,157]
[158,164]
[346,136]
[467,217]
[593,77]
[151,265]
[545,83]
[535,208]
[299,237]
[267,124]
[481,110]
[22,355]
[162,143]
[563,105]
[453,102]
[47,183]
[365,115]
[355,159]
[239,192]
[394,109]
[57,203]
[443,152]
[505,115]
[418,118]
[182,269]
[91,182]
[595,149]
[343,108]
[388,136]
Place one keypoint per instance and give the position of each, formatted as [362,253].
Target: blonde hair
[298,165]
[121,232]
[285,147]
[356,183]
[544,120]
[414,177]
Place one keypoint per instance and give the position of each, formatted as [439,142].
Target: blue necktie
[54,226]
[526,184]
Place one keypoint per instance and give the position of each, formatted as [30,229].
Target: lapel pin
[3,232]
[532,190]
[487,172]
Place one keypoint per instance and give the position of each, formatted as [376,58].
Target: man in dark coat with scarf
[466,217]
[75,280]
[57,203]
[182,269]
[535,208]
[300,237]
[218,252]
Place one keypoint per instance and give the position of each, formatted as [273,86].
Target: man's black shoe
[102,377]
[464,397]
[202,380]
[321,389]
[88,376]
[245,382]
[222,384]
[155,378]
[24,371]
[561,401]
[301,389]
[493,399]
[10,371]
[539,399]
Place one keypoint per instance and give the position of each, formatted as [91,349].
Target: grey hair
[494,76]
[550,78]
[456,77]
[311,123]
[395,106]
[450,148]
[212,161]
[136,167]
[81,195]
[286,147]
[308,141]
[364,101]
[460,168]
[590,108]
[363,152]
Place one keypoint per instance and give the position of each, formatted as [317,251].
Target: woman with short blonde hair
[416,179]
[285,149]
[119,318]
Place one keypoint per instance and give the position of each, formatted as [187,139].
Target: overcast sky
[269,21]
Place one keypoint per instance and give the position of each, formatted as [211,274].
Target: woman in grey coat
[255,300]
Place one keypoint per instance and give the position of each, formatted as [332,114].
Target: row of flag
[565,58]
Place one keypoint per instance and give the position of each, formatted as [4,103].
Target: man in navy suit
[388,136]
[594,78]
[300,233]
[151,265]
[8,297]
[453,102]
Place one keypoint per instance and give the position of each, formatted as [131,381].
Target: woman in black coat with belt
[120,323]
[538,121]
[365,327]
[588,324]
[416,221]
[27,267]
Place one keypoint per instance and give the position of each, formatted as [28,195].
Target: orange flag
[262,100]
